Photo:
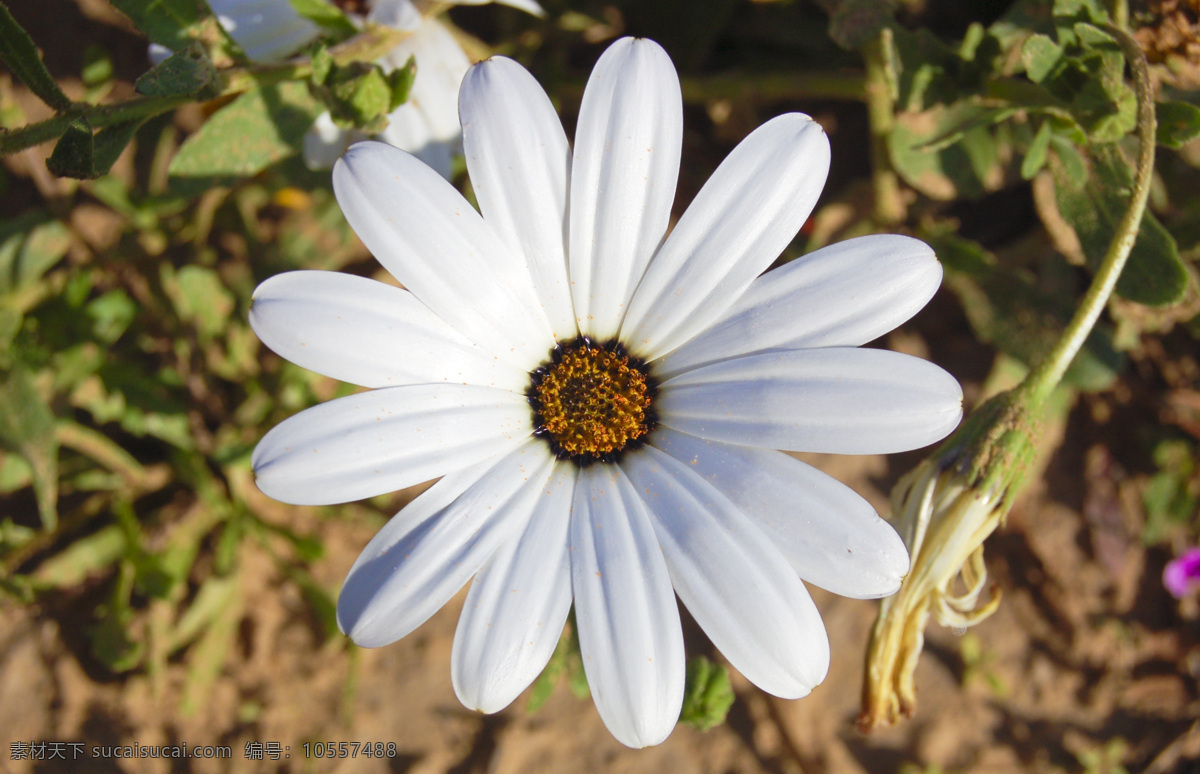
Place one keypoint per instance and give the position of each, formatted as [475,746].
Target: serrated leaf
[249,134]
[1093,206]
[1178,124]
[27,428]
[1040,54]
[188,72]
[21,55]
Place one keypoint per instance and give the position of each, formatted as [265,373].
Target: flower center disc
[591,401]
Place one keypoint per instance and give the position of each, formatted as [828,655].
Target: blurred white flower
[604,402]
[426,125]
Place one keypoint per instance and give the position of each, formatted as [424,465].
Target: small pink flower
[1182,574]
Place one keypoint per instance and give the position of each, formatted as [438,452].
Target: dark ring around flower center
[592,402]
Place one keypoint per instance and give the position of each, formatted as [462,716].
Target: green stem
[369,46]
[881,116]
[1039,384]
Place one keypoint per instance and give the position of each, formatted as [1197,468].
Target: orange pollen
[592,402]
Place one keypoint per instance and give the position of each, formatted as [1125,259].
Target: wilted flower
[603,401]
[945,509]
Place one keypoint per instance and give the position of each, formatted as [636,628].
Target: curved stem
[1039,384]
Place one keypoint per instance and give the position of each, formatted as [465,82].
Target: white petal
[623,175]
[842,295]
[629,631]
[426,125]
[838,400]
[519,160]
[400,14]
[743,218]
[430,238]
[325,142]
[528,6]
[265,29]
[515,611]
[368,333]
[409,129]
[736,584]
[429,550]
[384,440]
[830,535]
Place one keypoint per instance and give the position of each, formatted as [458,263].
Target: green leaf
[74,154]
[1092,37]
[566,660]
[170,23]
[400,81]
[200,298]
[111,643]
[83,156]
[21,55]
[1021,315]
[1178,123]
[110,142]
[111,315]
[249,134]
[325,15]
[29,246]
[950,152]
[213,597]
[1069,156]
[359,96]
[27,428]
[188,72]
[83,558]
[208,655]
[1093,205]
[1040,54]
[1035,157]
[322,64]
[707,696]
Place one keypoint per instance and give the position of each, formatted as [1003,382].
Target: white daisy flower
[426,125]
[603,401]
